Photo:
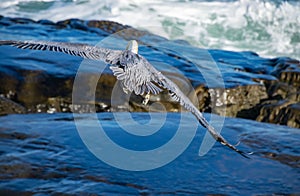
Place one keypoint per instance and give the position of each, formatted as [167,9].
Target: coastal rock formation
[8,106]
[261,89]
[283,104]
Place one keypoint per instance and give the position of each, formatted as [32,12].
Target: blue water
[44,154]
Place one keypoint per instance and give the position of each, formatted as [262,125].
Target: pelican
[134,72]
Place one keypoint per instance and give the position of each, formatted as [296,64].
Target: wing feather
[132,70]
[156,80]
[187,104]
[74,49]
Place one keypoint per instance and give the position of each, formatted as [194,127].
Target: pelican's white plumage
[133,70]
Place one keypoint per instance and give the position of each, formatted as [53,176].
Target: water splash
[270,28]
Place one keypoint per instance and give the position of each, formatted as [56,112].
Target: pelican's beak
[133,46]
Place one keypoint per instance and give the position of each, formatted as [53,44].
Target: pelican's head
[133,46]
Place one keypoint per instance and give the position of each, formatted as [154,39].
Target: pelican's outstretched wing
[187,104]
[140,76]
[82,50]
[136,82]
[134,71]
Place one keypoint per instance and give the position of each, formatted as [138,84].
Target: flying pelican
[135,73]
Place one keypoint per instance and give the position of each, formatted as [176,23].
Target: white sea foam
[268,28]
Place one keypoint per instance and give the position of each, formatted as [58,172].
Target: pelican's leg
[146,99]
[126,90]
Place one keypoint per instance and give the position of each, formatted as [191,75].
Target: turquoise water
[267,27]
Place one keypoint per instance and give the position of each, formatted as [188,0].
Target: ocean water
[267,27]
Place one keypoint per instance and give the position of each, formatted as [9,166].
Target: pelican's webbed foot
[146,99]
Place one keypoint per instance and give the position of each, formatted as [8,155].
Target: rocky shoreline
[269,92]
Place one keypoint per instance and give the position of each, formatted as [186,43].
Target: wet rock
[232,101]
[255,88]
[42,92]
[283,104]
[287,71]
[274,101]
[8,106]
[281,90]
[282,112]
[291,160]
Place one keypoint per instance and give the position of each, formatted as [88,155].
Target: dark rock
[42,92]
[107,26]
[254,88]
[291,160]
[288,71]
[282,112]
[283,104]
[8,106]
[274,101]
[231,101]
[204,99]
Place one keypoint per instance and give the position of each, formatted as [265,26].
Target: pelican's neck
[133,46]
